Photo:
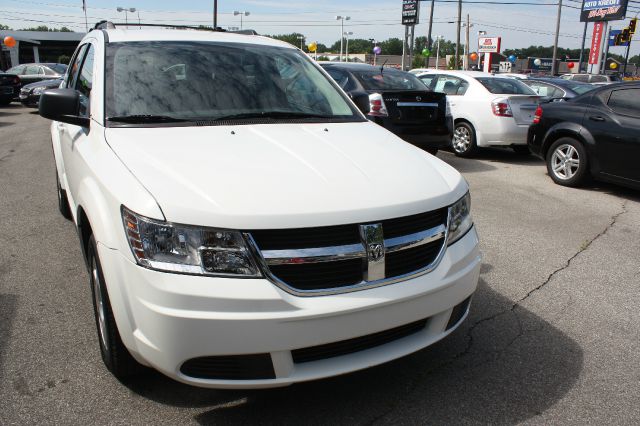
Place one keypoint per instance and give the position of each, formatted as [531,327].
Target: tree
[392,46]
[64,59]
[635,60]
[47,29]
[4,27]
[356,45]
[289,38]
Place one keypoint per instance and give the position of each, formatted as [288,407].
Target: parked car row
[26,82]
[578,129]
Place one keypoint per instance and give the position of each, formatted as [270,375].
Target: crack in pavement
[469,334]
[517,303]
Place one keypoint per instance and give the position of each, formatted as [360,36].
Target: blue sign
[612,38]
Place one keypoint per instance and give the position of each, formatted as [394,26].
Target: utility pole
[466,45]
[215,14]
[626,58]
[555,44]
[429,42]
[584,38]
[458,35]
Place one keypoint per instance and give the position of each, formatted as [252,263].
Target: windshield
[505,86]
[195,81]
[389,79]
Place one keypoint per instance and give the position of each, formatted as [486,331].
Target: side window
[428,80]
[72,71]
[451,85]
[581,77]
[342,78]
[625,101]
[598,79]
[548,90]
[84,82]
[32,70]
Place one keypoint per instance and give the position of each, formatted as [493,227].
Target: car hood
[284,175]
[44,83]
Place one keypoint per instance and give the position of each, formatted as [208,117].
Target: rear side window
[505,86]
[625,101]
[598,79]
[16,70]
[581,88]
[388,80]
[32,70]
[451,85]
[581,77]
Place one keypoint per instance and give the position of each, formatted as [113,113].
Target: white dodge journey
[242,222]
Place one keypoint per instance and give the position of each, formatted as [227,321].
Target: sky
[519,25]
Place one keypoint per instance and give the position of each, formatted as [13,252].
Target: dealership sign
[409,12]
[603,10]
[489,45]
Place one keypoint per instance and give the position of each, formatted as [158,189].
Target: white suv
[243,223]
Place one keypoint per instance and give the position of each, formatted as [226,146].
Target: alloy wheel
[565,161]
[461,139]
[100,306]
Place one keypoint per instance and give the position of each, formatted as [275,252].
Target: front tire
[115,355]
[567,162]
[463,142]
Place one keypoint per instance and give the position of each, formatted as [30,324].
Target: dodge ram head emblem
[375,252]
[373,242]
[418,98]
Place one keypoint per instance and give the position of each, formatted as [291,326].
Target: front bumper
[29,100]
[166,319]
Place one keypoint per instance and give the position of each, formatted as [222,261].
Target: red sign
[596,41]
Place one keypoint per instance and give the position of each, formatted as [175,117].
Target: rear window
[388,80]
[581,88]
[59,68]
[505,86]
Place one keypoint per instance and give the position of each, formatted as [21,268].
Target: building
[37,46]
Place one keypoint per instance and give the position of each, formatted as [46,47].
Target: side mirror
[62,105]
[361,100]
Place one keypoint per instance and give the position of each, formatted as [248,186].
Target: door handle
[596,118]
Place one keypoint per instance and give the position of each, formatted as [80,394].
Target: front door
[618,136]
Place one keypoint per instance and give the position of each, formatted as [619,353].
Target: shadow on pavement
[8,304]
[507,155]
[465,165]
[503,370]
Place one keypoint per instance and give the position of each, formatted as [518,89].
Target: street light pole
[125,10]
[347,34]
[243,13]
[301,38]
[438,51]
[215,14]
[342,19]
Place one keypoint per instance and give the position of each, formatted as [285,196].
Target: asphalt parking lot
[553,335]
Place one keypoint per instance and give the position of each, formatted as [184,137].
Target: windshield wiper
[273,114]
[145,118]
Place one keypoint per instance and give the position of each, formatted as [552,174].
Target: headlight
[460,219]
[38,90]
[187,249]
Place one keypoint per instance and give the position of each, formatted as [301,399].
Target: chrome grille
[336,259]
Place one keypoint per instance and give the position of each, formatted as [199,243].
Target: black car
[596,134]
[398,101]
[30,73]
[9,88]
[554,88]
[30,93]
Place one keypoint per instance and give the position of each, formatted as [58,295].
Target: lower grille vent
[357,344]
[232,367]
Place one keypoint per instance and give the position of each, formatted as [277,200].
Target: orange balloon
[473,56]
[9,41]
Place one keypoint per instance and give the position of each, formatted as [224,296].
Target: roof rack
[104,25]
